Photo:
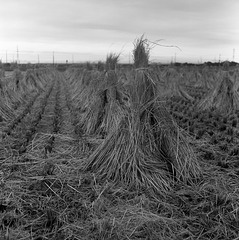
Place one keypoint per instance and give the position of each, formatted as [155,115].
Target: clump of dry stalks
[2,73]
[145,149]
[173,86]
[17,76]
[224,98]
[103,106]
[141,53]
[111,61]
[100,66]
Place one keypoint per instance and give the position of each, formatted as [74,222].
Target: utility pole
[38,59]
[219,58]
[175,57]
[53,59]
[17,56]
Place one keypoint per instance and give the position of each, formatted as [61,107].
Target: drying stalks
[145,149]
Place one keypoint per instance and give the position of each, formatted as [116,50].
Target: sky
[88,30]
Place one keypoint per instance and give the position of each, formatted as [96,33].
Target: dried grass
[173,85]
[49,198]
[103,110]
[141,53]
[112,60]
[146,149]
[224,98]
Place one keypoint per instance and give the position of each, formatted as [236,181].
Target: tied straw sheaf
[224,98]
[143,148]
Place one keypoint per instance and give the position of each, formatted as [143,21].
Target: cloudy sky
[86,30]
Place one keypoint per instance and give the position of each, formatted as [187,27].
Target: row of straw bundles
[145,149]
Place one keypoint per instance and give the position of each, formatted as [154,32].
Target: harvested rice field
[143,152]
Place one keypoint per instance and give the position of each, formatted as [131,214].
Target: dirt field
[46,193]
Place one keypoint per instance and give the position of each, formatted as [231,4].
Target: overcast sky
[81,30]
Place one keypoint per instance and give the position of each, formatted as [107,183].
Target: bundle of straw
[29,80]
[103,104]
[146,149]
[17,76]
[100,66]
[114,107]
[172,85]
[111,61]
[141,53]
[224,98]
[2,73]
[100,99]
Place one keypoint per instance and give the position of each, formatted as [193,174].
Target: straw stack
[224,98]
[146,149]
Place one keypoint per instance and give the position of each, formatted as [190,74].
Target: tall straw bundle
[100,66]
[226,65]
[90,79]
[146,149]
[208,78]
[172,85]
[92,100]
[141,53]
[92,118]
[17,77]
[41,83]
[115,107]
[224,98]
[1,86]
[29,81]
[111,61]
[89,66]
[87,86]
[2,73]
[103,108]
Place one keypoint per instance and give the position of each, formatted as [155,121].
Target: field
[81,158]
